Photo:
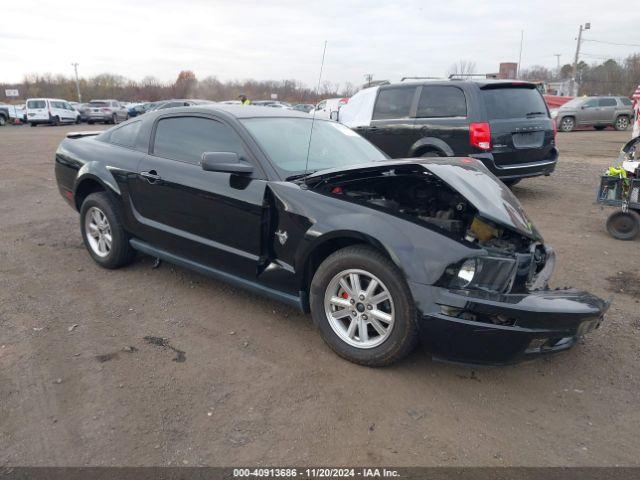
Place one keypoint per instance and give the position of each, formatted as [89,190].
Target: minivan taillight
[480,135]
[555,128]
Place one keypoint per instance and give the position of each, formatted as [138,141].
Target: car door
[607,109]
[212,218]
[392,125]
[589,112]
[69,112]
[441,115]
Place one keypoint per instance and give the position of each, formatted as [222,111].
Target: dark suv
[505,124]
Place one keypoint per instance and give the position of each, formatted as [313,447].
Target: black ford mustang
[379,251]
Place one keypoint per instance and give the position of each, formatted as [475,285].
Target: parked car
[180,103]
[375,249]
[504,124]
[4,114]
[82,109]
[106,111]
[596,112]
[325,108]
[52,111]
[304,107]
[136,109]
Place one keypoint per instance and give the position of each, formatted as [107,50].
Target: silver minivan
[597,112]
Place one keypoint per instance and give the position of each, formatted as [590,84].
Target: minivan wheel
[567,124]
[622,123]
[363,308]
[55,121]
[33,124]
[431,153]
[3,121]
[623,225]
[103,233]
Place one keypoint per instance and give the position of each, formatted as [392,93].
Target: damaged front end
[493,304]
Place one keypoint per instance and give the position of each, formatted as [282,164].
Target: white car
[52,111]
[326,107]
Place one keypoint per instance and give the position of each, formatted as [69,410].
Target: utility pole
[520,56]
[557,55]
[368,77]
[574,79]
[75,67]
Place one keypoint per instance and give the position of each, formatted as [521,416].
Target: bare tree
[463,67]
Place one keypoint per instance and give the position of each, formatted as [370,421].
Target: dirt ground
[255,384]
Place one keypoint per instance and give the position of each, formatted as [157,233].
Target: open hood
[469,177]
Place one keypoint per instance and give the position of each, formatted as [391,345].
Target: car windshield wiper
[531,114]
[300,175]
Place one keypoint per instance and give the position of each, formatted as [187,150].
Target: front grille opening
[502,320]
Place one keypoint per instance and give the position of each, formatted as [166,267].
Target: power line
[613,43]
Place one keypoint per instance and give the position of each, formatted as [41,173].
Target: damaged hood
[469,177]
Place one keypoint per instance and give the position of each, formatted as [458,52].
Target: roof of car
[238,111]
[479,82]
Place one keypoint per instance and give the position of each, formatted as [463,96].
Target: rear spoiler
[89,133]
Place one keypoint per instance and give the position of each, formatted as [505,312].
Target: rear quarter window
[626,101]
[125,135]
[503,103]
[393,103]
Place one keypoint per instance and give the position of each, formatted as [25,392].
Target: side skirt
[295,301]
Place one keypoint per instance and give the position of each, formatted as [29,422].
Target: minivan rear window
[513,102]
[36,104]
[98,104]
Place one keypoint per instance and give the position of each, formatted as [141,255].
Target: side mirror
[334,115]
[224,162]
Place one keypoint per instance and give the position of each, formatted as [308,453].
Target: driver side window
[185,139]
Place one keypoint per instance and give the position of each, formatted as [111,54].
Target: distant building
[508,70]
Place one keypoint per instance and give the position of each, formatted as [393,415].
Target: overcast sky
[277,40]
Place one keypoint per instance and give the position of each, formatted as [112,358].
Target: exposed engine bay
[425,198]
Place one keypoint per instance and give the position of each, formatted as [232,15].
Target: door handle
[151,176]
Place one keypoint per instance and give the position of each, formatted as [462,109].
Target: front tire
[622,123]
[623,225]
[363,308]
[55,121]
[103,232]
[567,124]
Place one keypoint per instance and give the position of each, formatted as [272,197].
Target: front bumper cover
[487,328]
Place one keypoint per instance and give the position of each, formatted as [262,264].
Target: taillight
[105,109]
[480,135]
[555,129]
[343,101]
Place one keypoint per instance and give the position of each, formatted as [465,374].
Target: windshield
[572,103]
[286,141]
[513,103]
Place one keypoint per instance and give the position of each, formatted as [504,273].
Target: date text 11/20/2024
[315,472]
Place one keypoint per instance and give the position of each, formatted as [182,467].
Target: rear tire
[621,123]
[90,122]
[33,124]
[369,332]
[3,121]
[114,119]
[103,233]
[511,182]
[55,121]
[567,124]
[623,225]
[431,154]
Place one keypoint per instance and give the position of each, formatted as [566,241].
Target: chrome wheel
[622,123]
[567,124]
[359,308]
[98,231]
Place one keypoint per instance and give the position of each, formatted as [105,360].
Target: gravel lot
[79,384]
